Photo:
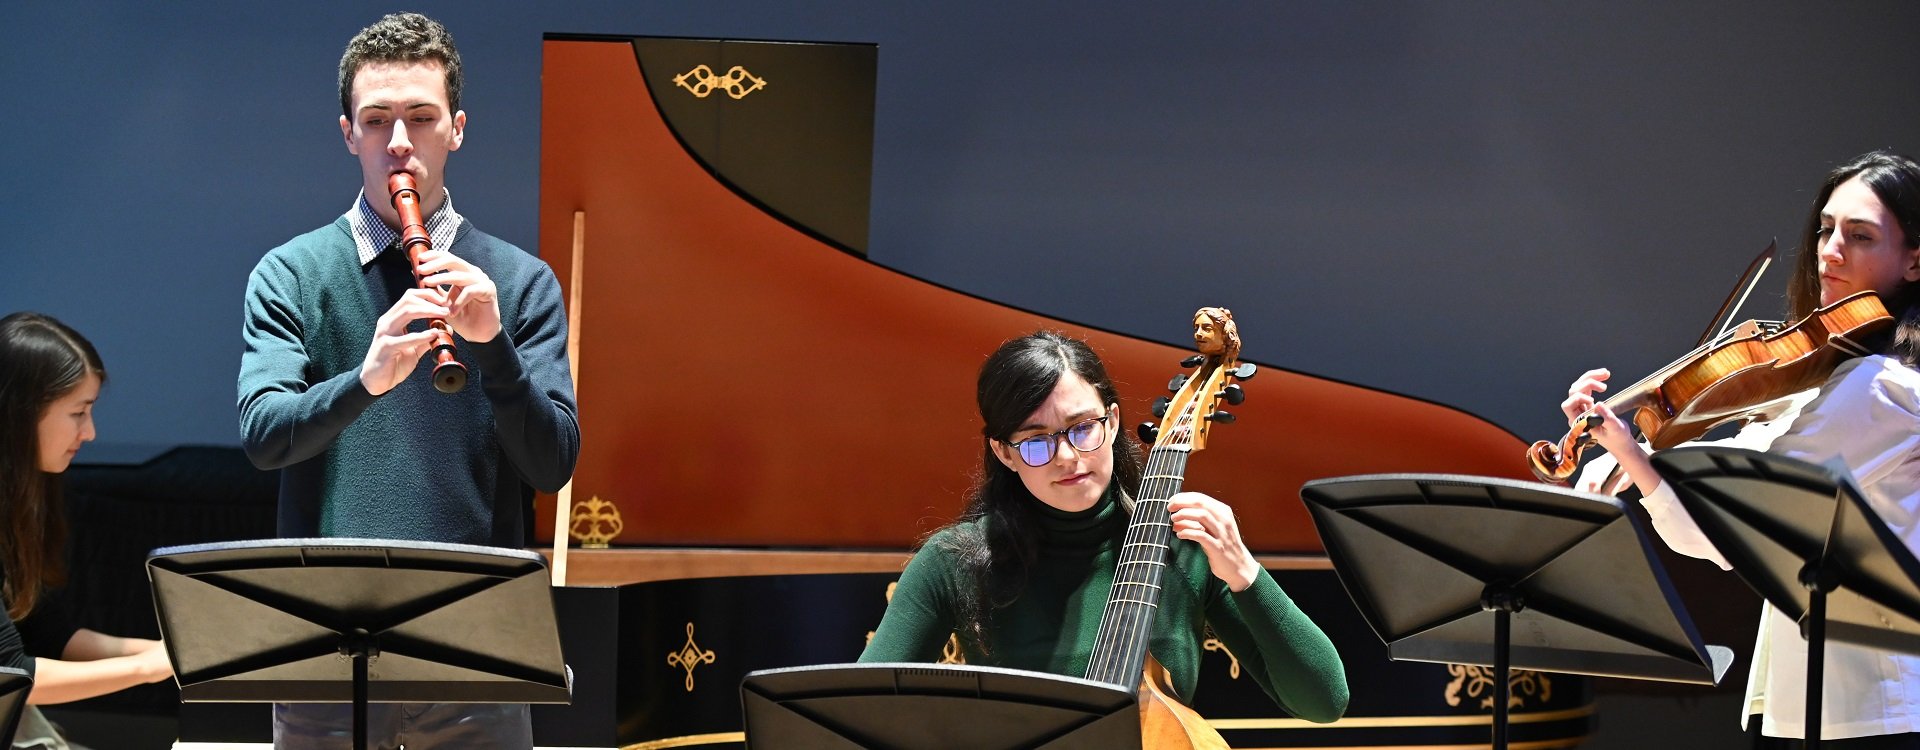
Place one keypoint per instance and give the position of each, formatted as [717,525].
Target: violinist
[1022,577]
[1862,234]
[334,390]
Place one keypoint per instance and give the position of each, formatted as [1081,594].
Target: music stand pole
[1816,663]
[1819,581]
[1502,601]
[359,699]
[358,646]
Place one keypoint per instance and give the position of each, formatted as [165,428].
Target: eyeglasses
[1085,436]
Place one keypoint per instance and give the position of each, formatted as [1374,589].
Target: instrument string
[1660,377]
[1127,622]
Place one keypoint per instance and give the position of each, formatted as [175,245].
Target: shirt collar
[1084,531]
[372,236]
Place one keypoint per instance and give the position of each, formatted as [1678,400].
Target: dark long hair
[997,539]
[1895,179]
[41,360]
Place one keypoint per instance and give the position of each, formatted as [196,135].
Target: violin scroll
[1556,462]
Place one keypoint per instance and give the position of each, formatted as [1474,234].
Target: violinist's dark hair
[997,539]
[1895,179]
[41,360]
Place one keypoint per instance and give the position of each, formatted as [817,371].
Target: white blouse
[1867,415]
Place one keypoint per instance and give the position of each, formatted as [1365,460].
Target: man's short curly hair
[400,37]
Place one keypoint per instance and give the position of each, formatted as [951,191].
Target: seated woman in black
[1022,577]
[49,379]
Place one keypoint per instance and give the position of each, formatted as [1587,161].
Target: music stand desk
[1806,539]
[14,685]
[1507,574]
[933,707]
[358,620]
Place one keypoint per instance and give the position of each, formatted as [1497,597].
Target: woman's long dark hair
[997,539]
[1895,179]
[41,360]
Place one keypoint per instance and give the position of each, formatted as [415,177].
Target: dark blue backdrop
[1465,202]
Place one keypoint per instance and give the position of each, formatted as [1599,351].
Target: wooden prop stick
[563,500]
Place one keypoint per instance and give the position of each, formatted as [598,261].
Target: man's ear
[459,130]
[346,134]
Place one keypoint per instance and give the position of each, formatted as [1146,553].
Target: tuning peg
[1221,417]
[1233,395]
[1244,371]
[1160,406]
[1193,361]
[1148,432]
[1177,381]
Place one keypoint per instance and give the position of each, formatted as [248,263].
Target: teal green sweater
[1050,627]
[412,463]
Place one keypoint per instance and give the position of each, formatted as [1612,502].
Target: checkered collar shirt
[372,236]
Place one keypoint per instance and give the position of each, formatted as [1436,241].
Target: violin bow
[1730,309]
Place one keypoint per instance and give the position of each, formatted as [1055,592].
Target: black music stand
[15,683]
[358,620]
[1495,572]
[1804,538]
[933,706]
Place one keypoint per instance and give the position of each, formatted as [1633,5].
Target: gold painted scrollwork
[1477,682]
[595,523]
[950,653]
[689,656]
[1213,643]
[701,82]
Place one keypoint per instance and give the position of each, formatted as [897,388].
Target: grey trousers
[412,726]
[36,733]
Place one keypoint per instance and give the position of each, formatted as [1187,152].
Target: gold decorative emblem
[689,656]
[1478,682]
[595,523]
[1213,643]
[949,653]
[738,83]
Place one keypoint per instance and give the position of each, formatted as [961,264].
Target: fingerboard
[1120,647]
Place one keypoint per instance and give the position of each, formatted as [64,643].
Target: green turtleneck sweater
[1050,626]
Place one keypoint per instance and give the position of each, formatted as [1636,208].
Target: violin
[1743,374]
[449,376]
[1120,656]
